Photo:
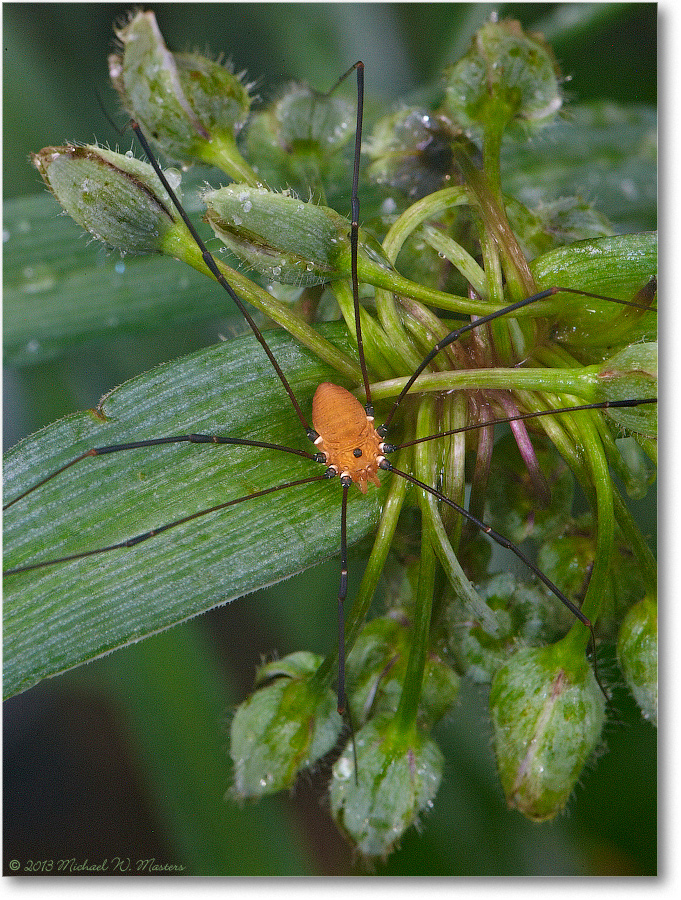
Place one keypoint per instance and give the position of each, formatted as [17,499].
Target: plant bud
[278,235]
[637,653]
[412,152]
[283,727]
[526,614]
[506,77]
[191,106]
[295,141]
[285,239]
[377,669]
[117,198]
[547,716]
[397,777]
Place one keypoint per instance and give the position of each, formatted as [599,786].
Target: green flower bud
[377,668]
[619,266]
[278,235]
[285,239]
[631,373]
[117,198]
[283,727]
[547,716]
[637,653]
[396,779]
[506,77]
[569,558]
[295,142]
[526,614]
[191,106]
[412,152]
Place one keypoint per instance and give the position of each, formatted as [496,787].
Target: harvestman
[343,431]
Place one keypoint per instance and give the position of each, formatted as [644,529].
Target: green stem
[605,530]
[222,152]
[582,382]
[438,538]
[379,553]
[379,352]
[424,465]
[407,711]
[516,268]
[461,260]
[179,245]
[637,542]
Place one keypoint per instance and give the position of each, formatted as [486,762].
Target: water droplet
[629,189]
[119,268]
[174,177]
[248,206]
[276,271]
[38,279]
[237,220]
[129,154]
[344,767]
[33,346]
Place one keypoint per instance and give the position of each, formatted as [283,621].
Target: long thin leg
[153,532]
[604,404]
[346,481]
[483,320]
[222,281]
[508,545]
[153,442]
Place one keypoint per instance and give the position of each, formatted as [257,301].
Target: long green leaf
[65,614]
[61,290]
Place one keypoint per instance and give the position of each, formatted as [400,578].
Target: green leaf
[63,615]
[60,290]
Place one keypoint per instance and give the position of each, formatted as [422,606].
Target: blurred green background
[127,757]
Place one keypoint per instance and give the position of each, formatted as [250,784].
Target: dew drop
[119,268]
[38,279]
[344,768]
[174,177]
[129,154]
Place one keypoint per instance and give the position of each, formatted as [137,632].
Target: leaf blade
[63,615]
